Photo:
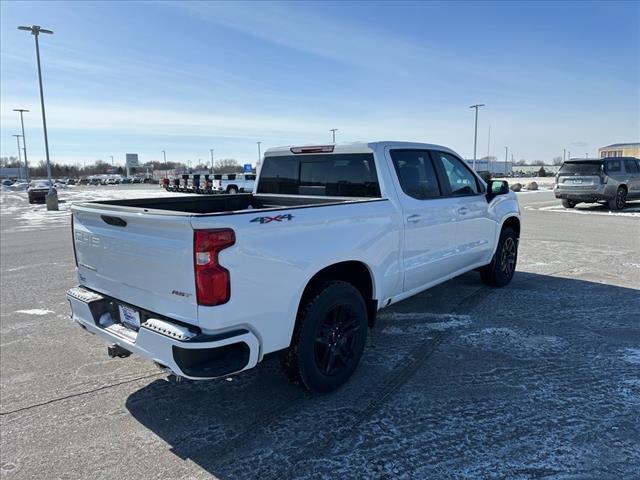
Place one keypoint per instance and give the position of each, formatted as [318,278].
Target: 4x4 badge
[277,218]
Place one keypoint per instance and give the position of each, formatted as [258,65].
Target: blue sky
[186,77]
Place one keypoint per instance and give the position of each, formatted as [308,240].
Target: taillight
[213,282]
[73,239]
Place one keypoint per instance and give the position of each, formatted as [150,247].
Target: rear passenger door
[429,219]
[476,229]
[633,178]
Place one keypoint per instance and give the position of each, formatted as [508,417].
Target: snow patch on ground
[632,265]
[632,210]
[35,311]
[444,321]
[631,355]
[512,341]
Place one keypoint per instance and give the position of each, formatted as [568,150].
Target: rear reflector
[213,282]
[315,149]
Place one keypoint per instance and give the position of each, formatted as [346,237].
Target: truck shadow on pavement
[540,378]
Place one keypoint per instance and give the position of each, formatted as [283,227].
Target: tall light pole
[19,156]
[259,156]
[36,30]
[333,131]
[111,160]
[506,154]
[24,143]
[564,154]
[164,154]
[211,150]
[475,136]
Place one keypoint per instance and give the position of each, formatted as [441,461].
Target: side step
[117,351]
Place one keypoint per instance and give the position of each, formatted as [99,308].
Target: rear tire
[618,202]
[329,338]
[568,203]
[503,264]
[232,190]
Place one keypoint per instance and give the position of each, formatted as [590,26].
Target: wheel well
[624,187]
[514,224]
[353,272]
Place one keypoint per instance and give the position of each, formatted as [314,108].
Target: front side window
[416,174]
[614,166]
[461,180]
[336,175]
[630,166]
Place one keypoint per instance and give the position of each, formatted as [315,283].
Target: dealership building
[620,150]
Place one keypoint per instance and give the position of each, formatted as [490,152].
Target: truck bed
[220,204]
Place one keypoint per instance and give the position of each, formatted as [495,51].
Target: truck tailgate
[143,259]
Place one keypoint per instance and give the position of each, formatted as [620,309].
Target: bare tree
[557,160]
[227,165]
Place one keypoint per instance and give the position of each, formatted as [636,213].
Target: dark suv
[611,179]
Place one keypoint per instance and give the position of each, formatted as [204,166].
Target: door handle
[414,218]
[463,210]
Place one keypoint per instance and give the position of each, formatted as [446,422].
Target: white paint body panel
[271,263]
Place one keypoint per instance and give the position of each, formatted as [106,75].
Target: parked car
[37,191]
[7,182]
[331,235]
[612,180]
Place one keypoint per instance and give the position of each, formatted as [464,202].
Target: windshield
[581,168]
[40,184]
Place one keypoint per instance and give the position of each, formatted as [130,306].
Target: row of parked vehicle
[210,183]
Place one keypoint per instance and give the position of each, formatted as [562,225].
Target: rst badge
[277,218]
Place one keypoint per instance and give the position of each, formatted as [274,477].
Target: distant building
[620,150]
[493,166]
[13,173]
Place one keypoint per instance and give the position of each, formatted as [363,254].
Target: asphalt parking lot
[540,379]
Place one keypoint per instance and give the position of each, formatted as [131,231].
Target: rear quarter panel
[273,260]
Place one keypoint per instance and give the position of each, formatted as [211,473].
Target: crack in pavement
[78,394]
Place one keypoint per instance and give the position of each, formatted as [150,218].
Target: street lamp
[506,154]
[333,131]
[475,137]
[111,160]
[52,197]
[259,156]
[24,143]
[19,157]
[165,156]
[211,150]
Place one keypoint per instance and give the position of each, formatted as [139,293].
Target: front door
[476,229]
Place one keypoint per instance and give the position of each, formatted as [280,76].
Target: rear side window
[613,166]
[337,175]
[416,174]
[631,166]
[459,177]
[581,168]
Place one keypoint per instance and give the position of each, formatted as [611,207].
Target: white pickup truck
[207,286]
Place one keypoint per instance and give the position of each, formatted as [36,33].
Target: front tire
[503,264]
[568,203]
[329,338]
[618,202]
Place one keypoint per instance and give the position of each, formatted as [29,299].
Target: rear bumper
[582,194]
[182,349]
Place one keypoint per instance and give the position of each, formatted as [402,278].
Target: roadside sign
[132,160]
[247,168]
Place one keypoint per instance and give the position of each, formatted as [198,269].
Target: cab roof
[355,147]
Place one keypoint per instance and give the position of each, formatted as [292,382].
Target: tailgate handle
[115,221]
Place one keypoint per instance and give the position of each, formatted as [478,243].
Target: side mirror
[497,187]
